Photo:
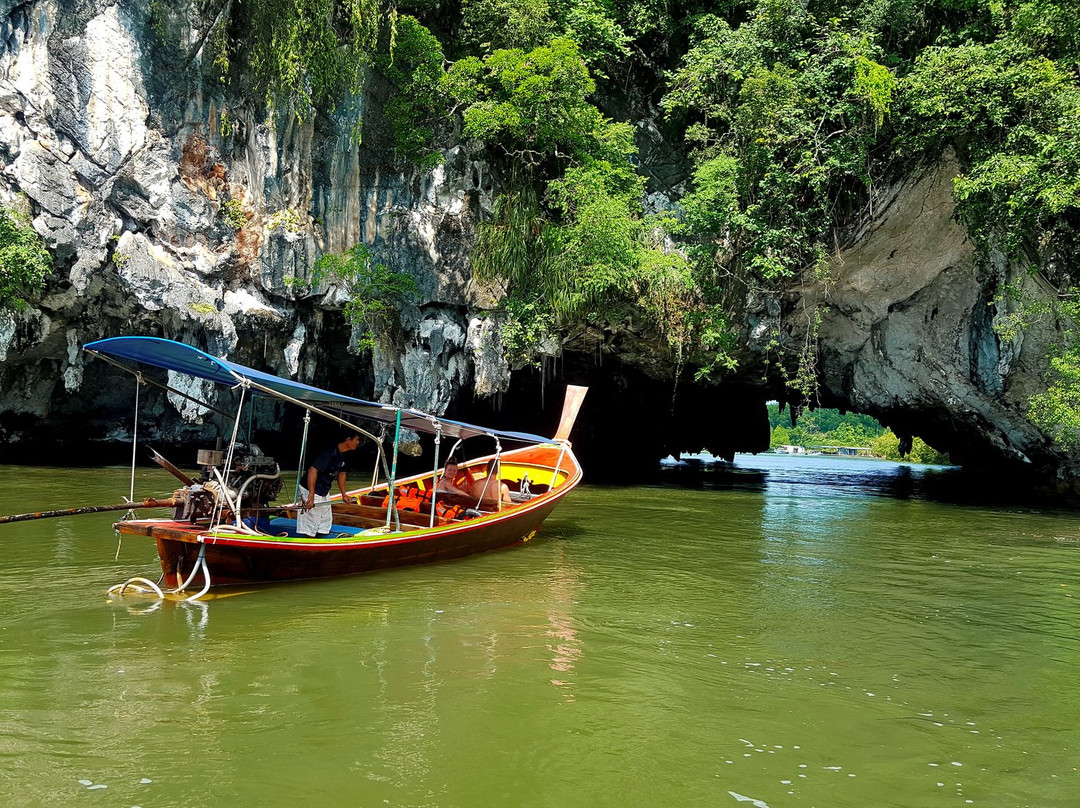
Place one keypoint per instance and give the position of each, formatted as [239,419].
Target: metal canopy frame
[191,361]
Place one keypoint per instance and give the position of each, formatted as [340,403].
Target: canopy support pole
[303,454]
[435,474]
[328,415]
[493,468]
[223,478]
[134,438]
[390,506]
[435,478]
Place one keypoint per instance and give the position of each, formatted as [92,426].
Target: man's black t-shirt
[329,464]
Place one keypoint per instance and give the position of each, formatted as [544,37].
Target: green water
[795,632]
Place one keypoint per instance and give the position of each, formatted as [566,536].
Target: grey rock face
[907,334]
[161,224]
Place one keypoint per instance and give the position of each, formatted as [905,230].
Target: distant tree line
[823,427]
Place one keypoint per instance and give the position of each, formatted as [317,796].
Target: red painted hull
[239,559]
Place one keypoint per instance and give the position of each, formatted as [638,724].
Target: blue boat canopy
[190,361]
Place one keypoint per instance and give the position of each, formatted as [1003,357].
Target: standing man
[316,515]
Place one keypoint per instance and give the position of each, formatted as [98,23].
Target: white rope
[194,570]
[143,586]
[138,585]
[200,565]
[558,465]
[206,577]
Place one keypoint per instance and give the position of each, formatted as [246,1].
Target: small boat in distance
[226,531]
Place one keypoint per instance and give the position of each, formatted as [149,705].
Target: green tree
[420,103]
[1015,116]
[374,291]
[24,260]
[780,437]
[490,25]
[782,113]
[922,452]
[534,104]
[569,234]
[823,427]
[300,55]
[844,435]
[1056,410]
[886,445]
[771,189]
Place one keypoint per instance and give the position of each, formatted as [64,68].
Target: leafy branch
[374,291]
[24,260]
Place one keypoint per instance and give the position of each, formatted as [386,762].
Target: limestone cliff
[171,210]
[907,335]
[175,209]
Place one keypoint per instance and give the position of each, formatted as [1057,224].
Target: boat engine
[253,482]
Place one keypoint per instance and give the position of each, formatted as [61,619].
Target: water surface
[793,631]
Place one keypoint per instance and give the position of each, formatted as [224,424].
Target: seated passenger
[450,478]
[460,481]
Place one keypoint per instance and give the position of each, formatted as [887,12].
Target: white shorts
[318,519]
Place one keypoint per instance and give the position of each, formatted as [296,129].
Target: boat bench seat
[378,512]
[375,503]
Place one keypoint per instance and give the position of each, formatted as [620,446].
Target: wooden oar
[571,404]
[146,503]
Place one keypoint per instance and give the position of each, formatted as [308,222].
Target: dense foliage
[373,291]
[822,427]
[1015,116]
[1057,409]
[792,114]
[822,420]
[24,261]
[782,112]
[293,56]
[887,446]
[568,235]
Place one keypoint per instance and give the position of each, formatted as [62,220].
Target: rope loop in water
[140,585]
[144,586]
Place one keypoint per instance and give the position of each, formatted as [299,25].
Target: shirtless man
[460,482]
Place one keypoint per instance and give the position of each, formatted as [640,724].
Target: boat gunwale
[313,544]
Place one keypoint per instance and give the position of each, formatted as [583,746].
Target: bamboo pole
[124,506]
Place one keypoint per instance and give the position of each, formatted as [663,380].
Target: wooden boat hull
[235,558]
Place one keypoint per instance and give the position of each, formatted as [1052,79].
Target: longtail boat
[225,529]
